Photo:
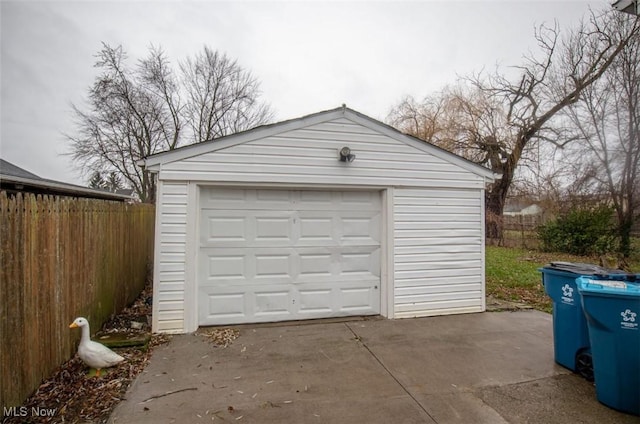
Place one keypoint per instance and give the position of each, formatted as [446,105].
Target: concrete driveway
[476,368]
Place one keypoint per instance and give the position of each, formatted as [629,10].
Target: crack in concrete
[388,371]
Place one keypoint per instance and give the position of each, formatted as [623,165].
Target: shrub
[580,232]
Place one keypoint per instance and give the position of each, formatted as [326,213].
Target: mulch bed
[78,398]
[72,396]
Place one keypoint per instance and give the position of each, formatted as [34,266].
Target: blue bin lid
[590,269]
[588,285]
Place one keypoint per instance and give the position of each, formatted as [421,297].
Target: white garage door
[276,255]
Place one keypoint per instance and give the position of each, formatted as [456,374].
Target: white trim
[288,186]
[483,250]
[384,254]
[388,259]
[329,181]
[155,307]
[191,258]
[386,293]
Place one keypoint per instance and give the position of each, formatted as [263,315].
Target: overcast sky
[309,56]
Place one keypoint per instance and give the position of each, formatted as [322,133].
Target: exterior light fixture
[346,155]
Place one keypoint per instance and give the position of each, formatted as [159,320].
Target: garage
[275,255]
[332,214]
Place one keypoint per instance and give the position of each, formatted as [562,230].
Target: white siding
[171,242]
[434,245]
[310,156]
[438,243]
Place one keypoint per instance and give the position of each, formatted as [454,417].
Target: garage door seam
[406,390]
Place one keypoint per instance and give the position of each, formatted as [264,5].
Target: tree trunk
[150,187]
[496,196]
[494,204]
[624,230]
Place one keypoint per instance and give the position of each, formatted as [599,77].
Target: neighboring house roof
[7,168]
[520,207]
[16,179]
[513,205]
[125,191]
[153,162]
[627,6]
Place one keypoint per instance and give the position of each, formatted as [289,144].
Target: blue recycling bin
[612,310]
[570,333]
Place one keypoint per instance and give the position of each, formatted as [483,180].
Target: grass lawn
[512,274]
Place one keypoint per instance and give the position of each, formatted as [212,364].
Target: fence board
[61,258]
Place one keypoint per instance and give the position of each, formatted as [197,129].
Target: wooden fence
[61,258]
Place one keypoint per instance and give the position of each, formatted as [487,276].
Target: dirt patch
[495,304]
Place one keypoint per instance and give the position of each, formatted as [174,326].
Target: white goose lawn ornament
[92,353]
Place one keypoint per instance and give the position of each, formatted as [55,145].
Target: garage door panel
[339,299]
[268,199]
[225,228]
[357,299]
[313,229]
[274,228]
[357,229]
[355,263]
[212,196]
[316,301]
[225,267]
[254,303]
[361,198]
[241,228]
[339,227]
[282,196]
[247,303]
[273,255]
[284,228]
[222,306]
[270,265]
[318,264]
[295,261]
[359,263]
[317,197]
[273,303]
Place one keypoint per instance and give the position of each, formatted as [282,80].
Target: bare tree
[222,97]
[424,120]
[606,158]
[461,119]
[137,111]
[505,116]
[550,83]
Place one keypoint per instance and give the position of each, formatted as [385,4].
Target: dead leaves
[222,337]
[79,398]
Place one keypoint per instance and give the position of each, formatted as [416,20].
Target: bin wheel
[584,365]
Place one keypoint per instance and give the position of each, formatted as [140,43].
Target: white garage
[283,223]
